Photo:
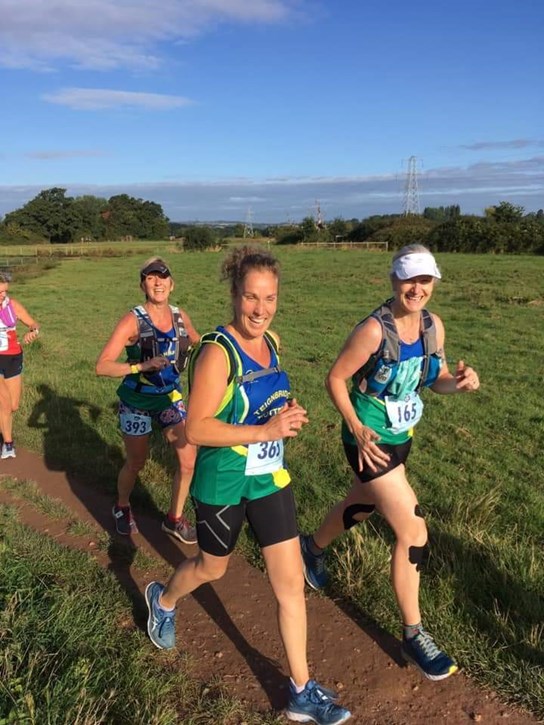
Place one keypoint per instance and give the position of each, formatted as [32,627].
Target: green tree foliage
[367,227]
[288,234]
[505,212]
[310,232]
[50,214]
[412,229]
[199,237]
[59,218]
[442,213]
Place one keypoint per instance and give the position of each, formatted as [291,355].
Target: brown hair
[242,260]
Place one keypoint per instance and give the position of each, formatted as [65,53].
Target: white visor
[414,265]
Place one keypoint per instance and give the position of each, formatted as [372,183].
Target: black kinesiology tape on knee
[418,555]
[348,517]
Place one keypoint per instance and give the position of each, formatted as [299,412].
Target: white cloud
[517,143]
[70,154]
[94,99]
[105,34]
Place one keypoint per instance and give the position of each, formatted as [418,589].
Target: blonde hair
[244,259]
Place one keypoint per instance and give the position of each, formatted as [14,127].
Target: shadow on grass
[90,465]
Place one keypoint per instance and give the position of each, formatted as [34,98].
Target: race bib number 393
[264,457]
[404,413]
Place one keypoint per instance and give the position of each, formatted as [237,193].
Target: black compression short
[398,454]
[272,519]
[11,365]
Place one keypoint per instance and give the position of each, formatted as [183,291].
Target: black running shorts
[272,519]
[11,365]
[398,454]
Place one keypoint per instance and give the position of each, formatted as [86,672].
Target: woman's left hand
[466,378]
[30,336]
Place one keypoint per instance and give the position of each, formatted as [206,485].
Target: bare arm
[363,342]
[125,333]
[207,391]
[194,337]
[22,314]
[465,379]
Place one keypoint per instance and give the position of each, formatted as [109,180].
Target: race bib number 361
[404,413]
[264,457]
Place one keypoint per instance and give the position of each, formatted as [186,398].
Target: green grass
[476,463]
[71,654]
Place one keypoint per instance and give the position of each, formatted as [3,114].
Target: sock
[8,443]
[314,548]
[125,509]
[296,688]
[411,630]
[163,608]
[173,519]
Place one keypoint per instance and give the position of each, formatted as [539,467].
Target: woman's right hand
[369,453]
[159,362]
[287,423]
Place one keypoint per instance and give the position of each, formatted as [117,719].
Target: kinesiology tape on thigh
[348,517]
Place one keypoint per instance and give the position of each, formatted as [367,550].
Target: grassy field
[476,463]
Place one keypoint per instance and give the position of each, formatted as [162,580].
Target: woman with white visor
[393,353]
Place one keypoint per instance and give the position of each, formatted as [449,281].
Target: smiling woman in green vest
[389,357]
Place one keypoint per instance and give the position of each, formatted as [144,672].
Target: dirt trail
[229,629]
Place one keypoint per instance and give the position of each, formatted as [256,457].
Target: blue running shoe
[314,566]
[422,652]
[314,705]
[161,627]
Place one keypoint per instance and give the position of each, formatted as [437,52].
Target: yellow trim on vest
[281,478]
[240,450]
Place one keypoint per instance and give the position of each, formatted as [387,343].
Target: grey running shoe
[313,704]
[161,626]
[182,530]
[8,450]
[315,572]
[124,522]
[422,652]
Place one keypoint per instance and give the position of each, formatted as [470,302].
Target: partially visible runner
[390,356]
[240,411]
[11,360]
[156,337]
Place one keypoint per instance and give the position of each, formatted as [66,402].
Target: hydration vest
[148,347]
[381,368]
[236,376]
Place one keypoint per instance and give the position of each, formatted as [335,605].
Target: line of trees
[61,219]
[504,228]
[57,218]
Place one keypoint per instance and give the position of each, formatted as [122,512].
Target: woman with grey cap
[390,356]
[155,337]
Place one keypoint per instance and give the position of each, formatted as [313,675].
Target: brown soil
[229,629]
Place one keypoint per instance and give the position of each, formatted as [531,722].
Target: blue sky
[216,107]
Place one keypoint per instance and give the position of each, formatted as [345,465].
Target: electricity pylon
[411,192]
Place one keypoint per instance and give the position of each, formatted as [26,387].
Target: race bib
[264,457]
[4,342]
[133,424]
[403,413]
